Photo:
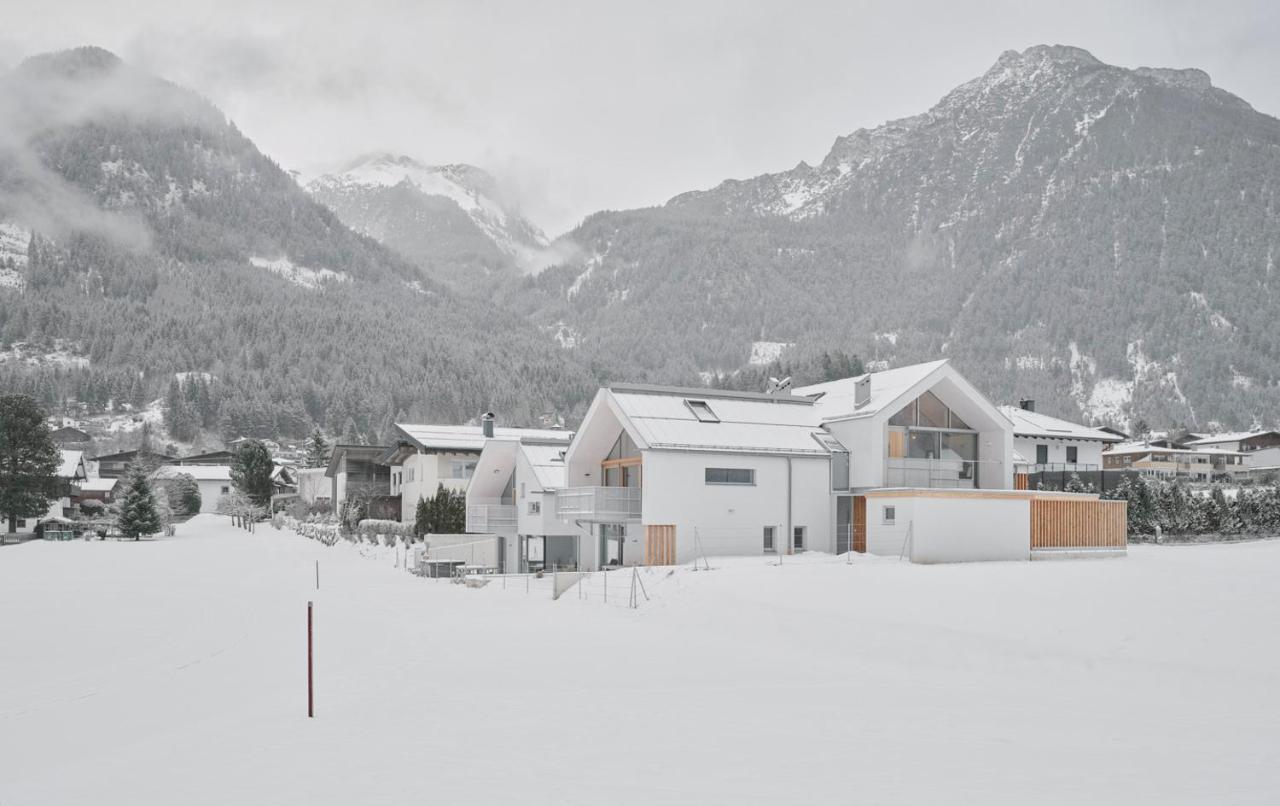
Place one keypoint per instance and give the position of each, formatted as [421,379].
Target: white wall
[211,493]
[729,519]
[1089,452]
[1267,457]
[948,528]
[313,484]
[422,474]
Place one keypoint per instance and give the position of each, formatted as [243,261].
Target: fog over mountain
[1098,237]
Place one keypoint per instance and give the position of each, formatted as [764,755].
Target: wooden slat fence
[1073,523]
[660,545]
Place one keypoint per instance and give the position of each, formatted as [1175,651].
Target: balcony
[491,518]
[598,504]
[933,473]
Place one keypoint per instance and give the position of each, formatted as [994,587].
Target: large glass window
[922,444]
[624,448]
[928,411]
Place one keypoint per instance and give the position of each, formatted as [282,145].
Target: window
[535,507]
[702,411]
[1042,454]
[462,468]
[768,540]
[889,516]
[226,490]
[623,448]
[798,541]
[1073,454]
[522,489]
[928,411]
[730,475]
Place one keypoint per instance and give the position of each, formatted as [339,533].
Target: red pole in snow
[311,699]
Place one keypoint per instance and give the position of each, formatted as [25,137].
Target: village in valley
[912,462]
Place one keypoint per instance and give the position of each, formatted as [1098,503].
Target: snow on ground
[64,355]
[300,275]
[173,672]
[764,353]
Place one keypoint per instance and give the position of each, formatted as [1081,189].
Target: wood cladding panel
[1063,523]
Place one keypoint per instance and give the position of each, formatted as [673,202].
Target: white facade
[934,527]
[1041,440]
[214,481]
[731,473]
[420,476]
[313,484]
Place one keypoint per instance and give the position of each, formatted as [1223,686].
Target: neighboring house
[114,465]
[211,458]
[1175,461]
[427,456]
[355,472]
[99,489]
[214,481]
[512,495]
[284,480]
[1046,443]
[659,475]
[71,438]
[1261,449]
[313,484]
[71,474]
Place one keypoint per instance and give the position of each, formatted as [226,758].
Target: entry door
[844,526]
[860,524]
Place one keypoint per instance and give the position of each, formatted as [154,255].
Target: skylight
[702,411]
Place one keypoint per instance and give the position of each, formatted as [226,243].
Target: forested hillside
[158,240]
[1099,238]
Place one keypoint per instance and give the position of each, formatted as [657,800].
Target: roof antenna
[775,385]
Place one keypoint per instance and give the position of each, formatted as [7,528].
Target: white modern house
[512,495]
[214,481]
[427,456]
[1049,443]
[912,461]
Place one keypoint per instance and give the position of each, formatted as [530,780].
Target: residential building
[314,485]
[1175,461]
[71,474]
[115,465]
[912,461]
[512,495]
[427,456]
[356,473]
[211,458]
[214,481]
[71,438]
[1261,449]
[1048,449]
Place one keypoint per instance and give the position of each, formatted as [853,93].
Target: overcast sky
[581,106]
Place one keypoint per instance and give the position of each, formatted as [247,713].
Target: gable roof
[1232,436]
[129,456]
[471,438]
[71,464]
[660,418]
[197,472]
[1034,424]
[99,485]
[370,452]
[836,398]
[548,465]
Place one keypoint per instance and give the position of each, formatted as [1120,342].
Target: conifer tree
[317,449]
[28,460]
[251,470]
[136,512]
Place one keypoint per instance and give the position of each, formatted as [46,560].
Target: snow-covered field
[173,672]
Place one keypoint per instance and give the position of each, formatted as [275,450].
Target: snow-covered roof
[98,485]
[69,466]
[1034,424]
[663,419]
[197,472]
[471,437]
[1232,436]
[1145,448]
[887,386]
[547,462]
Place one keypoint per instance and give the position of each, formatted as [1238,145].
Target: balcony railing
[599,504]
[490,518]
[1062,467]
[942,473]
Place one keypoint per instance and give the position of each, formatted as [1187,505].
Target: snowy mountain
[144,230]
[1100,238]
[450,219]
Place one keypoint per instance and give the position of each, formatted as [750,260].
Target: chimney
[486,422]
[862,392]
[1027,404]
